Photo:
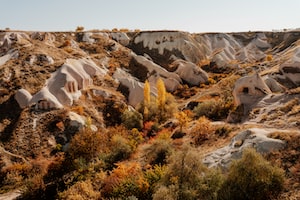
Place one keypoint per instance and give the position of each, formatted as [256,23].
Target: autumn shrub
[86,144]
[252,178]
[150,128]
[132,119]
[201,131]
[121,149]
[158,108]
[158,151]
[127,180]
[187,178]
[214,109]
[182,118]
[153,176]
[80,191]
[79,28]
[120,144]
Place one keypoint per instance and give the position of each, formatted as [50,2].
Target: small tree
[252,178]
[79,28]
[86,144]
[183,119]
[161,94]
[187,178]
[132,119]
[146,99]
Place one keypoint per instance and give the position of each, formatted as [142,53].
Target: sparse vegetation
[157,149]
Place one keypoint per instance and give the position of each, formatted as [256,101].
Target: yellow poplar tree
[161,98]
[161,93]
[182,118]
[146,98]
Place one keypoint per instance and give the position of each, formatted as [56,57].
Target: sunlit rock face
[64,86]
[252,138]
[166,46]
[190,73]
[249,89]
[291,68]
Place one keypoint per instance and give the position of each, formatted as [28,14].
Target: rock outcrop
[252,138]
[291,68]
[249,89]
[133,87]
[166,46]
[190,73]
[64,86]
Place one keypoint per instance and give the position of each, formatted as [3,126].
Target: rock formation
[252,138]
[249,89]
[63,87]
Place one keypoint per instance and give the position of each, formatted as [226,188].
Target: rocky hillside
[221,93]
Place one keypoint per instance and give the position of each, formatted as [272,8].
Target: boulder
[190,73]
[274,85]
[252,138]
[76,121]
[41,59]
[120,37]
[23,98]
[9,55]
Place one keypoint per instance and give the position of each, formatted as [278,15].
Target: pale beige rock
[136,88]
[64,86]
[190,73]
[291,68]
[23,97]
[249,89]
[171,80]
[252,138]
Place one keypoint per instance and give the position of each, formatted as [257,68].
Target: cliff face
[52,83]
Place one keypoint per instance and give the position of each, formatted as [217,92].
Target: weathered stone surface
[135,87]
[164,46]
[249,89]
[64,86]
[153,72]
[120,37]
[252,138]
[23,97]
[190,73]
[291,68]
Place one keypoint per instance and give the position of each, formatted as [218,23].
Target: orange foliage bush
[201,131]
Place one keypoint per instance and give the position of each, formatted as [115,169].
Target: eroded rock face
[291,68]
[190,73]
[164,46]
[252,138]
[153,72]
[135,87]
[64,86]
[120,37]
[249,89]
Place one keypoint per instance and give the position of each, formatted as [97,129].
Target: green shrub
[132,119]
[188,178]
[86,144]
[158,151]
[202,131]
[80,191]
[252,178]
[120,150]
